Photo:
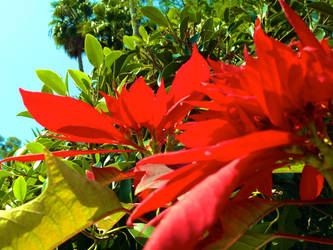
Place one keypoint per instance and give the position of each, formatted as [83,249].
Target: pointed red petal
[311,183]
[70,117]
[70,153]
[205,133]
[302,30]
[140,101]
[180,181]
[160,106]
[189,77]
[185,222]
[227,150]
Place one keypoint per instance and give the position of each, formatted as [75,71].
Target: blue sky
[25,45]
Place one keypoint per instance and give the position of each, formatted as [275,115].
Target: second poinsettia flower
[129,112]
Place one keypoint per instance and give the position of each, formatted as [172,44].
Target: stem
[321,211]
[314,202]
[79,59]
[305,238]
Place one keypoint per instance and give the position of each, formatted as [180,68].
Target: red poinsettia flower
[139,107]
[131,111]
[236,144]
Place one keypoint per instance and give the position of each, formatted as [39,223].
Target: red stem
[305,238]
[313,202]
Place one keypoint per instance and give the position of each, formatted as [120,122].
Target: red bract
[132,110]
[311,184]
[277,91]
[288,82]
[75,120]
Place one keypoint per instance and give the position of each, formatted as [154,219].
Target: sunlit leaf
[81,79]
[111,57]
[52,80]
[68,205]
[143,33]
[140,236]
[93,50]
[131,41]
[4,173]
[35,147]
[108,222]
[20,188]
[25,114]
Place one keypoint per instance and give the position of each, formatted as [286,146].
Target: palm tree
[68,16]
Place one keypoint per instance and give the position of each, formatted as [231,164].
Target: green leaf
[35,147]
[4,173]
[25,114]
[20,188]
[106,51]
[143,33]
[93,50]
[323,8]
[102,106]
[170,70]
[293,168]
[111,57]
[141,237]
[125,191]
[131,41]
[108,222]
[46,89]
[120,87]
[155,15]
[68,205]
[52,80]
[81,79]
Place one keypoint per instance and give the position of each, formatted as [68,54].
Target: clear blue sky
[25,45]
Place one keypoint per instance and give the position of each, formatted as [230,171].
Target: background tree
[111,20]
[8,145]
[68,18]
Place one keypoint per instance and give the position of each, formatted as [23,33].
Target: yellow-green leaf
[35,147]
[81,79]
[19,188]
[93,50]
[143,33]
[108,222]
[69,204]
[25,114]
[131,41]
[111,57]
[4,173]
[52,80]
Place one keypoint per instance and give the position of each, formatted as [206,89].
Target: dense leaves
[205,151]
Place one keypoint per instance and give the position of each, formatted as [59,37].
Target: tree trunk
[79,58]
[135,28]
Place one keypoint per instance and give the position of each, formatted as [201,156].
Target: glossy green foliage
[93,50]
[52,80]
[221,29]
